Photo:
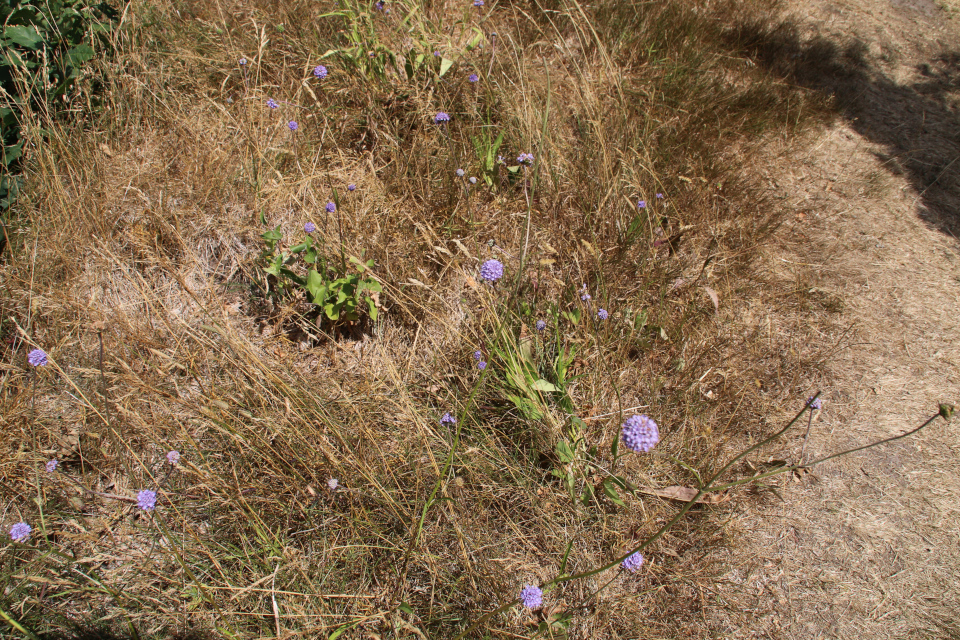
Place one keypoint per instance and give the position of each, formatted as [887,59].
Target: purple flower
[293,125]
[309,227]
[531,597]
[525,159]
[332,484]
[814,403]
[243,62]
[272,103]
[632,562]
[20,532]
[436,53]
[583,293]
[331,207]
[481,365]
[351,187]
[474,78]
[378,5]
[320,71]
[491,270]
[659,196]
[602,314]
[640,433]
[173,457]
[441,117]
[147,500]
[642,204]
[448,419]
[477,356]
[459,173]
[37,357]
[541,325]
[52,465]
[478,3]
[473,180]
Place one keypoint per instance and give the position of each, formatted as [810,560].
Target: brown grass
[141,224]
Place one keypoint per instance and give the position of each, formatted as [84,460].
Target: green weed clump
[525,228]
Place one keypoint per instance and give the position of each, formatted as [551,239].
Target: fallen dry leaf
[713,297]
[685,494]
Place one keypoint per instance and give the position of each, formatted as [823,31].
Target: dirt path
[868,547]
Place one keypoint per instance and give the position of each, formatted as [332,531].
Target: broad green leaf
[373,309]
[564,452]
[543,385]
[611,492]
[445,65]
[23,36]
[80,54]
[587,494]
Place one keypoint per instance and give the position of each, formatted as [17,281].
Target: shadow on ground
[917,123]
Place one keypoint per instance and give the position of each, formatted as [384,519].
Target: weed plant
[548,220]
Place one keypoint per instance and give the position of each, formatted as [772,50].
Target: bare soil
[867,546]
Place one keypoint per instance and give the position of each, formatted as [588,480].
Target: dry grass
[142,224]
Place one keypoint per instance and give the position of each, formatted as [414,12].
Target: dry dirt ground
[867,546]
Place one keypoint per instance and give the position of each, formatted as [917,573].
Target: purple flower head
[309,227]
[351,187]
[541,325]
[583,293]
[459,173]
[640,433]
[147,500]
[293,125]
[448,419]
[481,365]
[331,207]
[441,117]
[525,159]
[642,204]
[332,484]
[272,103]
[477,356]
[473,180]
[37,357]
[602,314]
[814,404]
[378,5]
[531,597]
[320,71]
[491,270]
[659,196]
[173,457]
[52,465]
[437,53]
[478,3]
[20,532]
[632,562]
[474,78]
[243,62]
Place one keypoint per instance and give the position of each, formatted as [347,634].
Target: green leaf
[543,385]
[566,554]
[611,492]
[614,447]
[373,309]
[310,255]
[403,606]
[564,452]
[445,65]
[23,36]
[79,54]
[587,494]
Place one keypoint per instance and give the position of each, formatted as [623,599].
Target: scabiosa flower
[52,465]
[243,62]
[320,71]
[459,173]
[173,457]
[351,187]
[541,325]
[478,3]
[293,125]
[491,270]
[437,54]
[331,207]
[20,532]
[378,5]
[309,227]
[272,103]
[659,196]
[642,204]
[477,356]
[583,293]
[448,419]
[481,365]
[441,117]
[531,597]
[640,433]
[332,484]
[474,78]
[632,562]
[473,180]
[147,500]
[602,314]
[814,403]
[525,159]
[37,357]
